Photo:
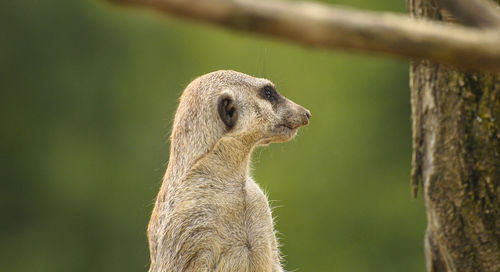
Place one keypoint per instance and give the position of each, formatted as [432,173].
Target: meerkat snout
[298,118]
[293,116]
[308,115]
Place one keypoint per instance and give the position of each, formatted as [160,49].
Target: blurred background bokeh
[87,94]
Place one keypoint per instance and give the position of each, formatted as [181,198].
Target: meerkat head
[230,104]
[252,106]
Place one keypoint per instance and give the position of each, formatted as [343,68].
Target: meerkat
[210,215]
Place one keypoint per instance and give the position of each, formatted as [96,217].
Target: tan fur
[210,215]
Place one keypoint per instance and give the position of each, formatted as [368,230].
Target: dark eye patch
[269,93]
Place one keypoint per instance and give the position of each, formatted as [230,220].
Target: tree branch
[477,13]
[326,26]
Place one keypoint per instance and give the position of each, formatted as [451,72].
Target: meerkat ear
[227,111]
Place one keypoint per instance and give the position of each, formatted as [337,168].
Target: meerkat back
[209,214]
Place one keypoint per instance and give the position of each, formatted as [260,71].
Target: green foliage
[87,94]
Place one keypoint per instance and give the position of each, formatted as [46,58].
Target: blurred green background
[87,94]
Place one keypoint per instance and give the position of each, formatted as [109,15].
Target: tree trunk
[456,156]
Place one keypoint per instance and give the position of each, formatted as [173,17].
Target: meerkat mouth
[287,130]
[291,126]
[287,127]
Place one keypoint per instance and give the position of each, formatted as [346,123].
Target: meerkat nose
[308,114]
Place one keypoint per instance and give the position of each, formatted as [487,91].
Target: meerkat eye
[268,93]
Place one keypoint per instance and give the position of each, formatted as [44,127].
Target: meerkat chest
[228,224]
[247,226]
[249,221]
[257,213]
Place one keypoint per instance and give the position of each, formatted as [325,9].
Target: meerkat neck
[229,159]
[185,152]
[234,153]
[230,156]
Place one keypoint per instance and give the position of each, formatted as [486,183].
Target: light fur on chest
[215,224]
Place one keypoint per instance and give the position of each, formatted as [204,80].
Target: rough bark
[456,156]
[327,26]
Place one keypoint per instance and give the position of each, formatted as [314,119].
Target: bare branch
[326,26]
[477,13]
